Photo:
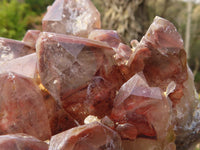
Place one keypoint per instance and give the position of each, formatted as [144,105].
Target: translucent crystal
[25,66]
[74,17]
[31,37]
[21,142]
[22,108]
[79,72]
[161,56]
[10,49]
[140,107]
[93,136]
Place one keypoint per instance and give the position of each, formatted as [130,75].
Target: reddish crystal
[21,142]
[22,108]
[93,136]
[73,17]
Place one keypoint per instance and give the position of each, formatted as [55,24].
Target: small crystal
[31,37]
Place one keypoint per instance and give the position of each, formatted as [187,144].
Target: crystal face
[31,37]
[21,142]
[138,108]
[25,66]
[77,71]
[93,136]
[73,17]
[160,55]
[22,108]
[10,49]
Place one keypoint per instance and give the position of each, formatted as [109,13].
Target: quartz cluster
[82,88]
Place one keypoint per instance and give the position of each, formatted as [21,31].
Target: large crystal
[93,136]
[77,71]
[22,108]
[10,49]
[74,17]
[21,142]
[142,110]
[160,55]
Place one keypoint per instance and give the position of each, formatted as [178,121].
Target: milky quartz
[21,142]
[10,49]
[31,37]
[73,17]
[77,71]
[22,108]
[140,110]
[93,136]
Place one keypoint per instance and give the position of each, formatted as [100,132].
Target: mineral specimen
[21,142]
[25,66]
[160,55]
[10,49]
[93,136]
[22,108]
[31,37]
[138,109]
[77,71]
[73,17]
[132,98]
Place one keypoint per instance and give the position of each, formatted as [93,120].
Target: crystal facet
[22,108]
[21,142]
[93,136]
[73,17]
[10,49]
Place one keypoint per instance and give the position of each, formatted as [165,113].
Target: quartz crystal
[21,142]
[122,51]
[141,97]
[22,108]
[10,49]
[25,66]
[93,136]
[73,17]
[140,110]
[160,55]
[108,36]
[78,72]
[59,119]
[31,37]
